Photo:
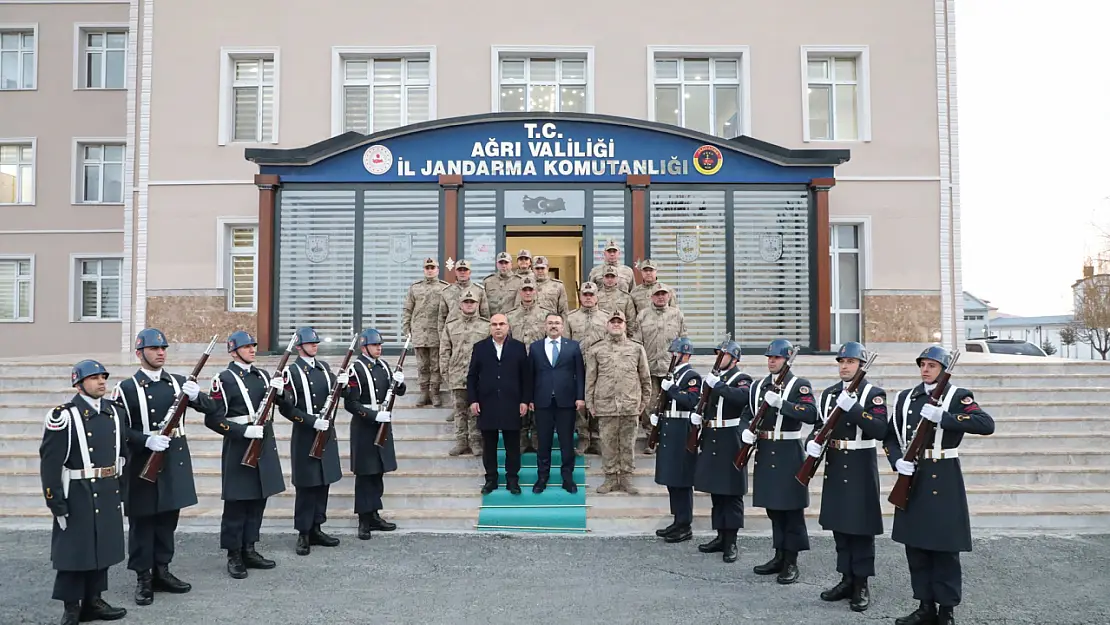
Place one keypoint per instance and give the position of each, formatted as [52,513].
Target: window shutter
[356,109]
[8,270]
[243,268]
[246,114]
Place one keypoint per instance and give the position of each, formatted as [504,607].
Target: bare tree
[1068,337]
[1092,313]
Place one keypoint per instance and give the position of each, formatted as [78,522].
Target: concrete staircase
[1047,467]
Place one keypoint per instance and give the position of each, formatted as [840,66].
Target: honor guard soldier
[153,509]
[420,320]
[365,399]
[308,382]
[501,286]
[720,440]
[240,390]
[83,449]
[935,526]
[850,491]
[626,279]
[778,457]
[674,466]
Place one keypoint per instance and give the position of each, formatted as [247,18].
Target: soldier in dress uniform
[641,293]
[420,319]
[612,256]
[456,344]
[365,399]
[674,466]
[551,293]
[587,325]
[850,491]
[308,382]
[935,526]
[239,390]
[153,509]
[778,457]
[502,286]
[727,412]
[84,446]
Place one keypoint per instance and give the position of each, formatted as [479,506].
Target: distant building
[977,316]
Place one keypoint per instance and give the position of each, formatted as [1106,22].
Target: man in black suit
[558,390]
[497,388]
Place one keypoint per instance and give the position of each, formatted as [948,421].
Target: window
[836,101]
[380,92]
[249,96]
[844,247]
[556,81]
[101,173]
[103,58]
[16,289]
[17,58]
[702,93]
[242,265]
[99,289]
[17,173]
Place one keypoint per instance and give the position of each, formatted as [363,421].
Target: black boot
[165,581]
[97,609]
[925,614]
[364,527]
[946,615]
[235,566]
[772,566]
[513,484]
[682,534]
[861,596]
[731,551]
[72,614]
[253,560]
[716,545]
[318,537]
[380,524]
[666,531]
[789,573]
[144,594]
[303,545]
[841,591]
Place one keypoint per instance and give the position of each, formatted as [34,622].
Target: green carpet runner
[554,511]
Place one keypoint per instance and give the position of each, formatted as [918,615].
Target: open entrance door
[562,245]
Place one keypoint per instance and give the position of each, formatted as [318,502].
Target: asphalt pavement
[485,578]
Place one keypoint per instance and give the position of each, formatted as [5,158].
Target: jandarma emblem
[708,160]
[316,247]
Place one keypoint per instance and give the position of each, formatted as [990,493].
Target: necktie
[554,352]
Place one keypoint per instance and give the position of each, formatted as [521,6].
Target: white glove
[903,467]
[253,431]
[191,388]
[384,417]
[278,385]
[666,384]
[343,378]
[748,437]
[845,401]
[695,418]
[711,380]
[654,418]
[61,522]
[157,442]
[321,424]
[813,449]
[931,412]
[773,399]
[399,377]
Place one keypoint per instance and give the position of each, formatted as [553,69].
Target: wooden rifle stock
[390,396]
[653,436]
[328,411]
[695,431]
[254,449]
[745,451]
[809,467]
[173,418]
[900,494]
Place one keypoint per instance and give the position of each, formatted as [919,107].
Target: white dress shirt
[551,350]
[498,347]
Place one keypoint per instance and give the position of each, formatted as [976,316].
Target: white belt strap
[241,420]
[944,454]
[862,399]
[785,393]
[370,382]
[721,401]
[83,448]
[246,396]
[938,437]
[901,428]
[673,408]
[727,423]
[852,445]
[144,410]
[780,436]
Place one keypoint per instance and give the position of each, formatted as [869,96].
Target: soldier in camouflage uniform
[502,286]
[551,293]
[613,363]
[421,320]
[449,296]
[641,293]
[656,328]
[587,325]
[626,279]
[611,298]
[456,344]
[526,324]
[524,264]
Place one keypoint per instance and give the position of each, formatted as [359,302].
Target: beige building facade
[204,237]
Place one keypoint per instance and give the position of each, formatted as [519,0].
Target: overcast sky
[1034,116]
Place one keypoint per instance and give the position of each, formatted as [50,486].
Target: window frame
[863,250]
[228,56]
[7,27]
[80,52]
[740,53]
[34,168]
[78,169]
[862,55]
[224,226]
[499,53]
[340,54]
[31,308]
[75,281]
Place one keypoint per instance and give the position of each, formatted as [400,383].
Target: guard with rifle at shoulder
[153,506]
[369,398]
[931,518]
[670,425]
[246,395]
[724,399]
[781,403]
[852,419]
[309,384]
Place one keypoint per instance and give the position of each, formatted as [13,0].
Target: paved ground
[412,578]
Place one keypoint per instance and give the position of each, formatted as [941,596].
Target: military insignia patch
[804,390]
[966,400]
[693,382]
[878,401]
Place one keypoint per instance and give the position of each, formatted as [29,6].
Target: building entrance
[562,245]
